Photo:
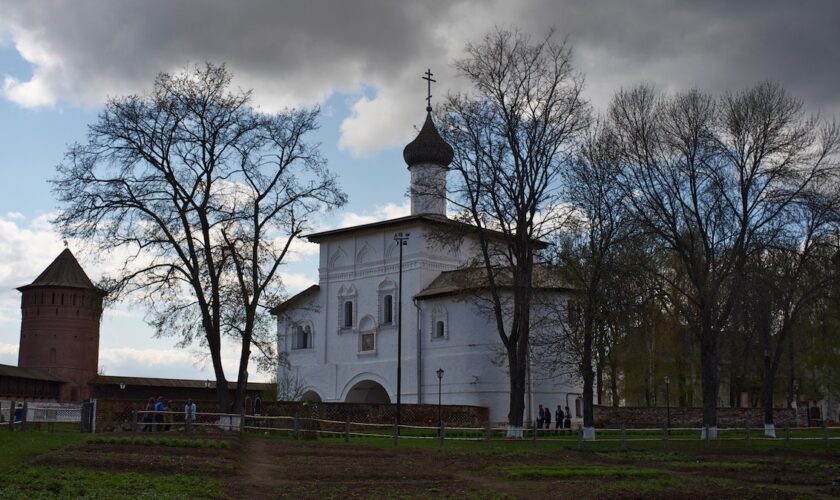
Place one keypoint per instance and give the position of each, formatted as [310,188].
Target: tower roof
[64,271]
[428,146]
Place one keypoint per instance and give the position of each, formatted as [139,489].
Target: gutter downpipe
[419,354]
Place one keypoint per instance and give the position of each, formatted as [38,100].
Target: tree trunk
[588,376]
[599,372]
[710,378]
[767,388]
[516,411]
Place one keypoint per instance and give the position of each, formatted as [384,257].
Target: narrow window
[348,314]
[388,309]
[62,299]
[53,299]
[52,356]
[439,329]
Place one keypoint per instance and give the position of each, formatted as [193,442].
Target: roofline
[152,381]
[466,290]
[61,285]
[439,220]
[274,311]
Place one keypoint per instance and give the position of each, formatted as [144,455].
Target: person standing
[189,414]
[159,414]
[148,415]
[540,417]
[167,415]
[568,422]
[558,419]
[547,417]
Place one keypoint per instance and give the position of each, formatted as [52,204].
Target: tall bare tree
[711,178]
[513,134]
[206,195]
[588,250]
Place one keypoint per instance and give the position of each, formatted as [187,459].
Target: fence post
[23,416]
[623,436]
[295,425]
[747,436]
[12,416]
[396,433]
[825,433]
[241,422]
[665,437]
[533,432]
[488,435]
[347,429]
[580,437]
[787,436]
[441,433]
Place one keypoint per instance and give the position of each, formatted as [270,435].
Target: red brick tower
[59,331]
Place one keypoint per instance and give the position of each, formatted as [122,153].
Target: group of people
[562,419]
[158,415]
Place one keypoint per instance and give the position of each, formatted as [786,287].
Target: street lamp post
[402,240]
[440,381]
[668,401]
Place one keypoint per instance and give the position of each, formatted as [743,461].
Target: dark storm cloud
[301,52]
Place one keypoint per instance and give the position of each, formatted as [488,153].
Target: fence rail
[314,428]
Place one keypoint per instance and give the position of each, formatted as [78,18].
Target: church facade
[339,339]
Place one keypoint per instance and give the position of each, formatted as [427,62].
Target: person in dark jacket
[547,417]
[558,419]
[159,408]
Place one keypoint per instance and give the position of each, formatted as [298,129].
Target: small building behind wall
[28,384]
[143,388]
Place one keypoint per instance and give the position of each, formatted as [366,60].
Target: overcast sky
[361,61]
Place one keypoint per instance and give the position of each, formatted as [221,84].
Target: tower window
[348,314]
[440,329]
[388,309]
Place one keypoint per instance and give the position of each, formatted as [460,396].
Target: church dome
[428,146]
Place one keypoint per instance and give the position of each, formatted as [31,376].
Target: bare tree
[793,274]
[711,179]
[512,137]
[588,250]
[207,195]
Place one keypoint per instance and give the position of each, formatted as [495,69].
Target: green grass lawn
[23,479]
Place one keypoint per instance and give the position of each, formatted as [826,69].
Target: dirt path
[311,470]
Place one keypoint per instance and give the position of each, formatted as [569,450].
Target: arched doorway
[310,396]
[367,391]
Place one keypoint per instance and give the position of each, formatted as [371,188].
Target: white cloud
[380,213]
[15,216]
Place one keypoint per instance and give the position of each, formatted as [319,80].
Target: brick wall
[115,415]
[637,417]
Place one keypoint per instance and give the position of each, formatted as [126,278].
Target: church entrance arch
[367,391]
[311,396]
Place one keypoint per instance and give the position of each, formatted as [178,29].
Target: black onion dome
[428,147]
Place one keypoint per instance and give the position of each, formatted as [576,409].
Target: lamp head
[440,373]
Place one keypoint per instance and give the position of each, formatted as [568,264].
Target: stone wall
[639,417]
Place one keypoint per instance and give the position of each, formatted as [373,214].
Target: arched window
[302,337]
[348,314]
[440,329]
[347,308]
[388,309]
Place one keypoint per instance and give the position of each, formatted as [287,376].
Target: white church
[340,337]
